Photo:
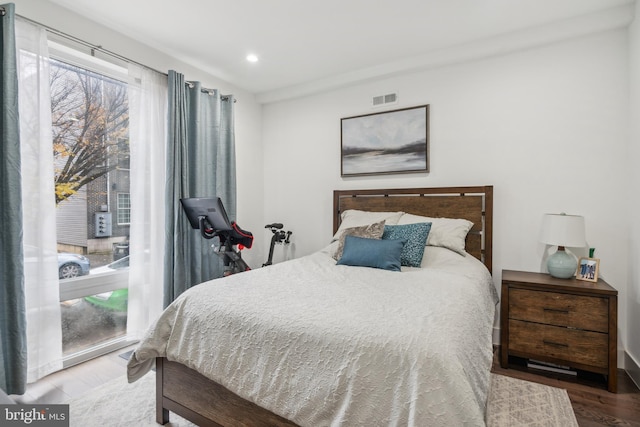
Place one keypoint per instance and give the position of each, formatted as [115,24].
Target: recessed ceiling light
[252,58]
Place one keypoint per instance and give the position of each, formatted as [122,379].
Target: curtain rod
[99,48]
[91,46]
[208,91]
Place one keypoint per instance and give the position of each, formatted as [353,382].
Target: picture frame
[386,142]
[588,269]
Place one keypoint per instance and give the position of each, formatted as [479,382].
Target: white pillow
[448,233]
[356,218]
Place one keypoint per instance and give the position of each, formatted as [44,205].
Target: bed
[311,343]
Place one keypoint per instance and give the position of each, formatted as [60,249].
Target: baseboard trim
[632,367]
[496,336]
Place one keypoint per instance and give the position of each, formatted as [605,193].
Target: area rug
[512,403]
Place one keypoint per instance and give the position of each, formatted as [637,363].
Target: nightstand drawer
[572,345]
[552,308]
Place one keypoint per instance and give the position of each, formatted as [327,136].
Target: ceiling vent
[390,98]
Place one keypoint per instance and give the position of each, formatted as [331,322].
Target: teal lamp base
[561,264]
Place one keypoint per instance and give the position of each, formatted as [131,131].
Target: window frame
[82,286]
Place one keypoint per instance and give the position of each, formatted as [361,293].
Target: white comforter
[328,345]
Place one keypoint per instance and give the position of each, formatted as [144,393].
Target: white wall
[633,301]
[248,120]
[547,127]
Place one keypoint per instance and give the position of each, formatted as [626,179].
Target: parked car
[72,265]
[114,301]
[115,265]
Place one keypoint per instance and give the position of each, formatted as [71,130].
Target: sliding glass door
[91,156]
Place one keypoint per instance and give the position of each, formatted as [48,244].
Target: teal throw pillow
[376,253]
[416,236]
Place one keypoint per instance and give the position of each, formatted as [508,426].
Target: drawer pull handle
[555,344]
[555,310]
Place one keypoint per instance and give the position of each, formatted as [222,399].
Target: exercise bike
[279,236]
[209,215]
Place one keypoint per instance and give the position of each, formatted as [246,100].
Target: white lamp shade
[563,230]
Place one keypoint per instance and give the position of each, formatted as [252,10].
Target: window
[124,161]
[124,208]
[90,117]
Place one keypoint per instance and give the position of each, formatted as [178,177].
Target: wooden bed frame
[204,402]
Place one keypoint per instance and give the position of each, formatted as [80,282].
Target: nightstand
[567,322]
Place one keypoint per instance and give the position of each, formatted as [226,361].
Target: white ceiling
[301,43]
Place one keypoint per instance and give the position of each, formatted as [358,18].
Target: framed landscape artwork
[388,142]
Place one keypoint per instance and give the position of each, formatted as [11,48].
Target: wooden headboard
[471,203]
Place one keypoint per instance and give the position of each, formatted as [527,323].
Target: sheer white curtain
[44,334]
[147,145]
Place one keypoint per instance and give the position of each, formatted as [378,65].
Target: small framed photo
[588,269]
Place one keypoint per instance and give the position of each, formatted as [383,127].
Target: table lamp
[562,230]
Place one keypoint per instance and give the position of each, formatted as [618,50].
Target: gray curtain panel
[13,329]
[200,163]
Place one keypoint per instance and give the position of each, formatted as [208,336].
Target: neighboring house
[77,227]
[71,224]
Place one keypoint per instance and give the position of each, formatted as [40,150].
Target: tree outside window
[90,115]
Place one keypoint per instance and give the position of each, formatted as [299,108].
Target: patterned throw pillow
[371,231]
[416,236]
[449,233]
[356,218]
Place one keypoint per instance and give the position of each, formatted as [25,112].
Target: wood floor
[76,381]
[592,403]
